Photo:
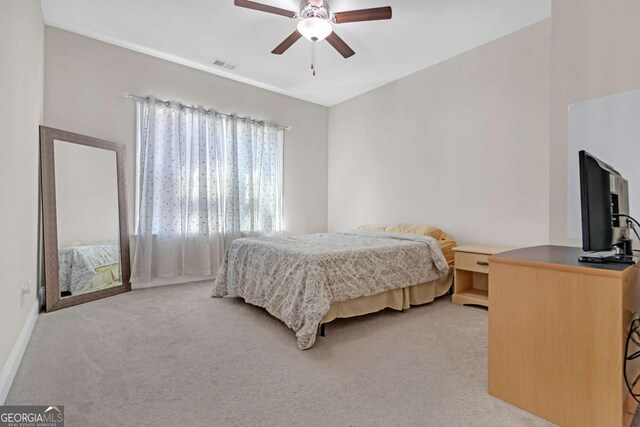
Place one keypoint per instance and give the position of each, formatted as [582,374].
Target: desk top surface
[566,256]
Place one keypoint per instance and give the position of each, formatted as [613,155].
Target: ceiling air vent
[224,64]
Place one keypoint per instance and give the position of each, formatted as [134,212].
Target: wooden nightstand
[471,280]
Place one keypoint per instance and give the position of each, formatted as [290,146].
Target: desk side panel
[554,343]
[631,304]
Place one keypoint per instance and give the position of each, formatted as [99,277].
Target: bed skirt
[397,299]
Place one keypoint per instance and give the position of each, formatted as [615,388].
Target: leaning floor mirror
[86,238]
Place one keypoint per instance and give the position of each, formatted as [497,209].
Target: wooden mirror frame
[49,209]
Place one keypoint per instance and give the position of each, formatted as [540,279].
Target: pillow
[428,230]
[372,228]
[446,242]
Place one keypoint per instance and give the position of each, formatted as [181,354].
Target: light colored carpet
[173,356]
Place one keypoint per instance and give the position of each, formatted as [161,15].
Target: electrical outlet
[25,290]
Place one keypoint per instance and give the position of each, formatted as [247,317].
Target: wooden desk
[557,330]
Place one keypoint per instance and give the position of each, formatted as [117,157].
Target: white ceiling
[193,32]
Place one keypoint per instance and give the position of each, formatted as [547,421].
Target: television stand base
[612,259]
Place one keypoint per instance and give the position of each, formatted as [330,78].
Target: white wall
[21,65]
[594,53]
[462,145]
[85,81]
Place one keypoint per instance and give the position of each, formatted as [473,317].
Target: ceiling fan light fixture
[315,29]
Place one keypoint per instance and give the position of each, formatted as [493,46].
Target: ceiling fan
[316,22]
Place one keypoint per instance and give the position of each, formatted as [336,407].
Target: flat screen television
[604,201]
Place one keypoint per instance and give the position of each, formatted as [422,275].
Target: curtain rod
[168,103]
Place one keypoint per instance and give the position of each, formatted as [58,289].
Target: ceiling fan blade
[287,43]
[375,14]
[339,44]
[264,8]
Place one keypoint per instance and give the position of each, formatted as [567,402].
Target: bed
[88,268]
[309,280]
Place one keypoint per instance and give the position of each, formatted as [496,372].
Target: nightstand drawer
[472,262]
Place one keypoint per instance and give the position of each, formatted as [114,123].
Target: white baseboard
[165,282]
[10,368]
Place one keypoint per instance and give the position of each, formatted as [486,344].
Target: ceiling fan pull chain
[313,58]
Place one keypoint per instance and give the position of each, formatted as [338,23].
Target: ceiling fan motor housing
[314,9]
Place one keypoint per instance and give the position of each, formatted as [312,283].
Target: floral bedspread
[297,278]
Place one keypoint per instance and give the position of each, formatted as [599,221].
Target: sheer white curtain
[204,179]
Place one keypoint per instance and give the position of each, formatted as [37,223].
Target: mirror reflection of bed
[88,267]
[88,221]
